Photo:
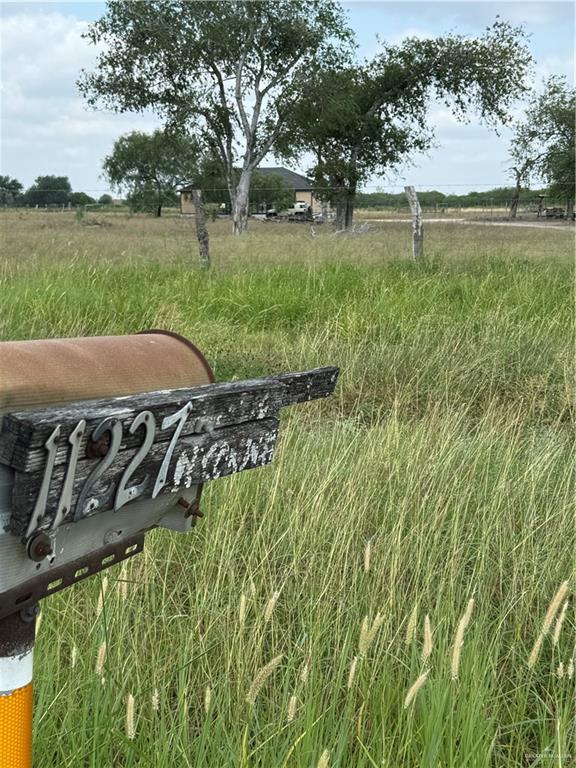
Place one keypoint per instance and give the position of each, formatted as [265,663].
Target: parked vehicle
[554,213]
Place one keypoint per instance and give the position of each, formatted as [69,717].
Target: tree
[373,118]
[105,199]
[151,167]
[544,143]
[229,71]
[270,191]
[10,190]
[49,190]
[80,198]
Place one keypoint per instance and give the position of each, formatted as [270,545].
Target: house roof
[290,178]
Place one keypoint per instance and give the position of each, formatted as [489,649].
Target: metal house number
[86,502]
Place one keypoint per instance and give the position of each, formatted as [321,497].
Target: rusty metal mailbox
[102,440]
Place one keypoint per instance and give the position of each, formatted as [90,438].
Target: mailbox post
[102,440]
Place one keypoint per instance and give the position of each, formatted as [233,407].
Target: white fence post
[417,226]
[201,229]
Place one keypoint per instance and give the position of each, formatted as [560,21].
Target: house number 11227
[124,492]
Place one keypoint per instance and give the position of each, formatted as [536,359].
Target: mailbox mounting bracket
[60,577]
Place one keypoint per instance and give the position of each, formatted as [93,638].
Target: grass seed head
[242,610]
[207,699]
[560,670]
[570,669]
[324,761]
[411,626]
[364,632]
[73,656]
[130,724]
[360,720]
[261,676]
[368,633]
[535,652]
[376,624]
[102,596]
[352,672]
[459,639]
[468,612]
[427,645]
[155,701]
[270,606]
[553,607]
[292,706]
[100,659]
[367,555]
[559,622]
[414,688]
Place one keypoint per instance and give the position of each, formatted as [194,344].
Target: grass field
[289,628]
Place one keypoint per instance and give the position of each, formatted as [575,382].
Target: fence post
[417,226]
[201,229]
[16,650]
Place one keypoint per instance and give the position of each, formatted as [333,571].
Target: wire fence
[373,206]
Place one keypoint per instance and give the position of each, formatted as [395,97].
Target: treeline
[497,197]
[46,192]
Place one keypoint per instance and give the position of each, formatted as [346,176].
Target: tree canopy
[49,190]
[370,119]
[10,190]
[544,143]
[77,199]
[228,71]
[151,167]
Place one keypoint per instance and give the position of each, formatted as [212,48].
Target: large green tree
[270,191]
[49,190]
[79,199]
[10,190]
[151,167]
[544,142]
[373,118]
[228,71]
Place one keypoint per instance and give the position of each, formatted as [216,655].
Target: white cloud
[417,32]
[556,65]
[44,49]
[46,125]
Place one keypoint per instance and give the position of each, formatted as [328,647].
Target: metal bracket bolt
[40,547]
[192,508]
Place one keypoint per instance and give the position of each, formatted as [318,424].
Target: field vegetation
[374,597]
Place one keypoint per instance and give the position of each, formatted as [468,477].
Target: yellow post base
[17,633]
[16,728]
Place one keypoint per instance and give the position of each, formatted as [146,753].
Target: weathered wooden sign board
[95,458]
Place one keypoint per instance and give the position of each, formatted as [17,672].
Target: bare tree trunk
[350,198]
[570,209]
[514,202]
[324,210]
[417,226]
[240,202]
[158,212]
[201,229]
[344,209]
[340,218]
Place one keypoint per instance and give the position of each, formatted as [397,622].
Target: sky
[46,127]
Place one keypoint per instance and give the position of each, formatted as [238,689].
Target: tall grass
[440,472]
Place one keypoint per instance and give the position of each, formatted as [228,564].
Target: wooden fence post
[201,229]
[417,226]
